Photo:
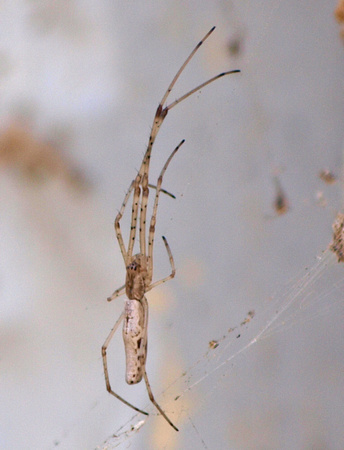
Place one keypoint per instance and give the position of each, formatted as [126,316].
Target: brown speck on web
[339,15]
[327,177]
[281,203]
[337,244]
[213,344]
[339,12]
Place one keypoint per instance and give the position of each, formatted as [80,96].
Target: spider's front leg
[143,214]
[135,185]
[153,220]
[134,214]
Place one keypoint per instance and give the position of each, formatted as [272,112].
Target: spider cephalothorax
[136,278]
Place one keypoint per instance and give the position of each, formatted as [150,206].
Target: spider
[139,267]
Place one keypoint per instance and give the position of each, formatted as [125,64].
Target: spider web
[313,294]
[59,267]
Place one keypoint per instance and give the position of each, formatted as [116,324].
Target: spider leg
[143,215]
[162,111]
[183,97]
[152,399]
[173,272]
[106,372]
[117,293]
[162,190]
[134,211]
[117,224]
[155,209]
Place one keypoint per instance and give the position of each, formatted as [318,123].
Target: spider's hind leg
[152,399]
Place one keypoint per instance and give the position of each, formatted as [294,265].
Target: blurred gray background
[79,85]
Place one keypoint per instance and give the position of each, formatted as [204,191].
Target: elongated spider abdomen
[135,340]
